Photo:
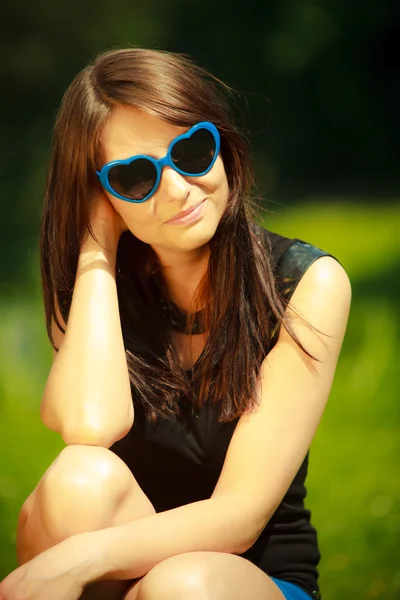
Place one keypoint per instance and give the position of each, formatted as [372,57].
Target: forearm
[131,550]
[88,388]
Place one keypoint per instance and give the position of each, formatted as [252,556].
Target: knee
[91,472]
[176,579]
[81,490]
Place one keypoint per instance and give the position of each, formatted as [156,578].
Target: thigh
[205,576]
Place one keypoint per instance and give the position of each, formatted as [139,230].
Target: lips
[185,212]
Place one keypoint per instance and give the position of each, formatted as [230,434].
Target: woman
[195,488]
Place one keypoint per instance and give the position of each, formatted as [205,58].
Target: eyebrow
[151,154]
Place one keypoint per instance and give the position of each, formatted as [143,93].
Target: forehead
[130,131]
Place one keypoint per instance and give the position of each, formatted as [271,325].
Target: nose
[173,185]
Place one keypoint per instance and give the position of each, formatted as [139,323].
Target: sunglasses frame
[160,163]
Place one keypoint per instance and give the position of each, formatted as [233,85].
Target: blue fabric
[290,590]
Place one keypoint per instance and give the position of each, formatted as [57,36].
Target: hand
[104,219]
[59,573]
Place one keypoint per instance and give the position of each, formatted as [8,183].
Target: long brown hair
[239,292]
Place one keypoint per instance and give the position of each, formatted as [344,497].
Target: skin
[183,250]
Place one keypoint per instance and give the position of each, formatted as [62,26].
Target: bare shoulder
[323,291]
[326,269]
[322,300]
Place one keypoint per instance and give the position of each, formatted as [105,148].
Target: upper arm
[47,415]
[269,444]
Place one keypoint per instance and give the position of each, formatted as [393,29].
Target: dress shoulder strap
[275,244]
[293,263]
[290,259]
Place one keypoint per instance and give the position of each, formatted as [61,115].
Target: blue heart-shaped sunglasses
[135,179]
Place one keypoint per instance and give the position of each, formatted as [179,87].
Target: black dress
[177,461]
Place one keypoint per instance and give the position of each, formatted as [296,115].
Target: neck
[182,274]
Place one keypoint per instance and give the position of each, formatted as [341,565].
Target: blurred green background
[320,86]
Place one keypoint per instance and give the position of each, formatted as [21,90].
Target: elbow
[249,528]
[79,431]
[84,425]
[244,525]
[91,435]
[86,436]
[96,431]
[254,527]
[246,543]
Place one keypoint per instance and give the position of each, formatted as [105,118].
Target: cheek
[218,181]
[136,216]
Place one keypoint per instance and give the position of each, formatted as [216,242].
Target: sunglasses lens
[195,154]
[135,180]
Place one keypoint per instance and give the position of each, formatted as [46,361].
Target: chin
[191,238]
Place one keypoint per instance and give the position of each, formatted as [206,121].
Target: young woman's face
[129,132]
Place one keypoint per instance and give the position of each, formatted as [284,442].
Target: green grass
[353,482]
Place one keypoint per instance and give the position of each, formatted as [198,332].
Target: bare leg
[205,576]
[86,488]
